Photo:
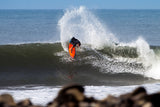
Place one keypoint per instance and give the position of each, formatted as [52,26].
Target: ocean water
[120,51]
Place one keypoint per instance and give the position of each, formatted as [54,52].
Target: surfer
[75,42]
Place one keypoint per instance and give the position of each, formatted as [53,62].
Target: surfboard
[72,52]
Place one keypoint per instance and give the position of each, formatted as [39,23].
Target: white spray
[83,25]
[147,57]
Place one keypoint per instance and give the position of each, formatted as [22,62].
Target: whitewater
[42,95]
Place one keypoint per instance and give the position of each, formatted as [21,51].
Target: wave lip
[28,54]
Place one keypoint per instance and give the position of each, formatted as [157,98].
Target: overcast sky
[91,4]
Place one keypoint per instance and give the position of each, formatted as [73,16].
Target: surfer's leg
[71,49]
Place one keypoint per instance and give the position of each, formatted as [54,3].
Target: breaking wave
[101,57]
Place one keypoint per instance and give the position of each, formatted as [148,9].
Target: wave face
[49,64]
